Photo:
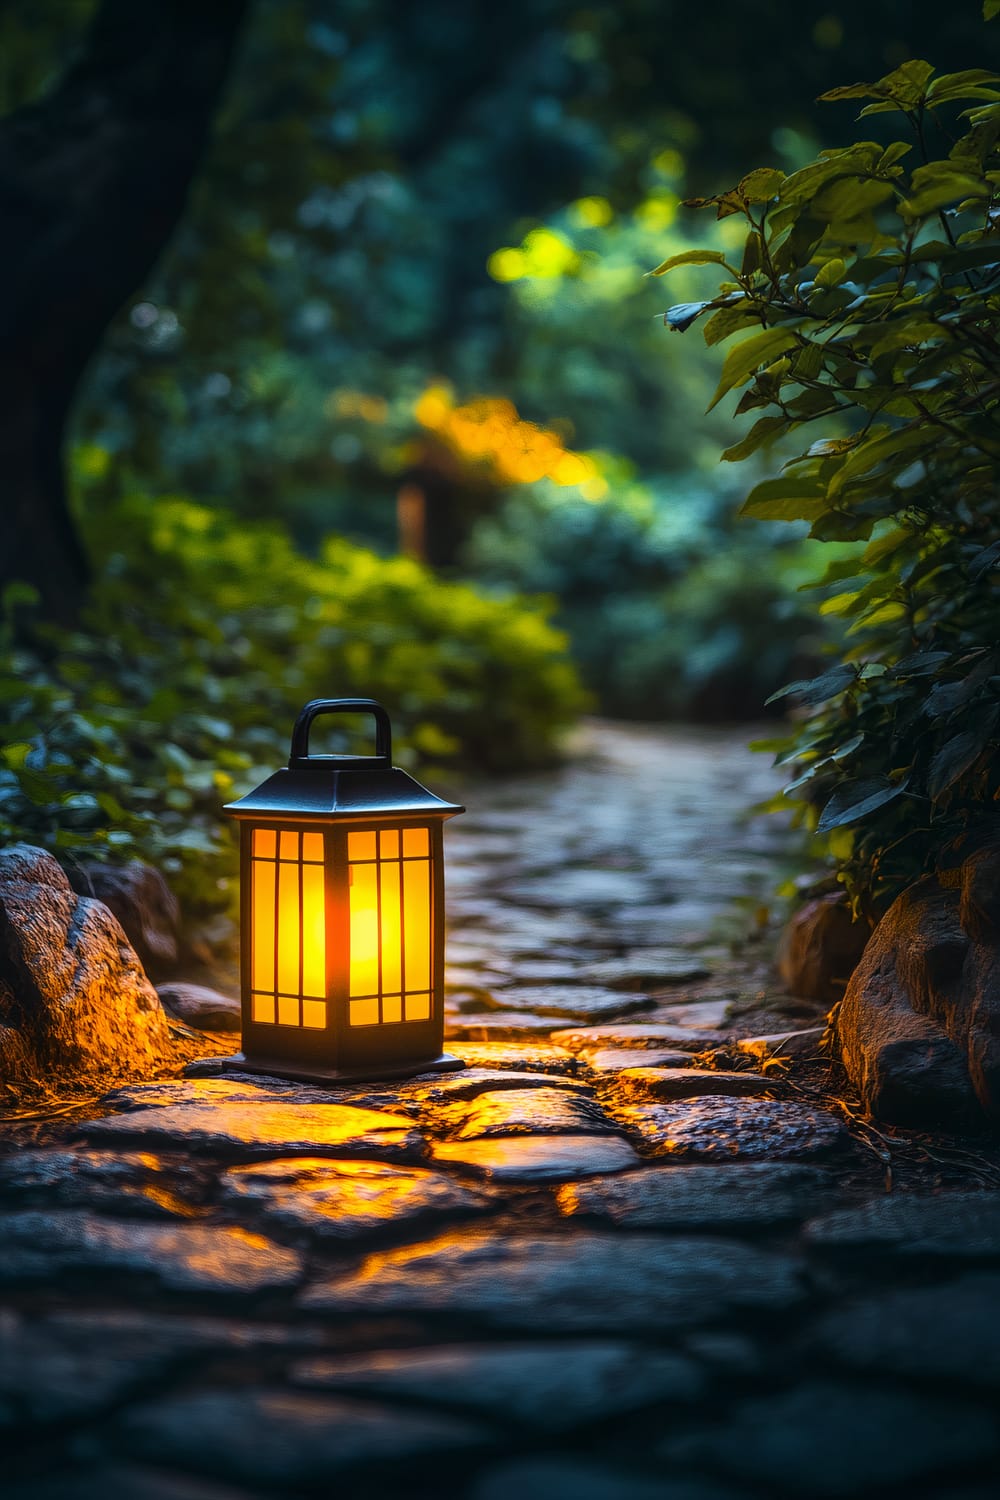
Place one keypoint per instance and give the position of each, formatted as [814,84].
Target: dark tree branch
[93,180]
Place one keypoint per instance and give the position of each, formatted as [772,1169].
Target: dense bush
[673,607]
[872,279]
[202,641]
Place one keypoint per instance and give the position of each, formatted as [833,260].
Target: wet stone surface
[530,1159]
[630,1251]
[41,1247]
[868,1437]
[738,1198]
[551,1283]
[723,1129]
[262,1128]
[543,1111]
[951,1225]
[689,1083]
[344,1200]
[551,1386]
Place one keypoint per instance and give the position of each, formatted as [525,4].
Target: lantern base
[311,1073]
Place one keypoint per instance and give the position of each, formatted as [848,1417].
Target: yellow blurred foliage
[488,431]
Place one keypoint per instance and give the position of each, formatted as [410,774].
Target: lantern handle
[300,756]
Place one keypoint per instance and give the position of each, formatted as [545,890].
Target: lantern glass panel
[391,926]
[288,941]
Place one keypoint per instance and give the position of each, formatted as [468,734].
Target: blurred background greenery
[390,406]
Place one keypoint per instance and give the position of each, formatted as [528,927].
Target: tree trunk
[93,180]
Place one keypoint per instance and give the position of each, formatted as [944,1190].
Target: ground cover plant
[202,639]
[871,279]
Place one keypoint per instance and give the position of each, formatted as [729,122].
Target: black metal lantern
[342,913]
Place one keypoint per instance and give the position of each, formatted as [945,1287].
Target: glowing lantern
[342,912]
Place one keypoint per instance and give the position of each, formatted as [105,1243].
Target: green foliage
[672,608]
[202,641]
[872,277]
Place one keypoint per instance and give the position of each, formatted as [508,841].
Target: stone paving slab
[49,1375]
[506,1025]
[550,1386]
[713,1128]
[575,1002]
[83,1481]
[286,1438]
[580,889]
[41,1247]
[734,1198]
[531,1159]
[692,1083]
[553,1284]
[959,1225]
[614,1059]
[261,1129]
[528,1057]
[645,967]
[637,1034]
[695,1015]
[558,1477]
[539,1111]
[137,1182]
[344,1200]
[418,1096]
[828,1439]
[947,1334]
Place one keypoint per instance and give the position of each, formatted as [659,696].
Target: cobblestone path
[622,1255]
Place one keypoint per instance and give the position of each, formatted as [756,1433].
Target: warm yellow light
[390,926]
[389,934]
[288,962]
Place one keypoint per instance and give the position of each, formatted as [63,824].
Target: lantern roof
[329,790]
[341,786]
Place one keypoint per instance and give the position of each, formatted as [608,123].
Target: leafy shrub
[672,607]
[872,279]
[201,643]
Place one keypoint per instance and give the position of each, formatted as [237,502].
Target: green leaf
[938,183]
[789,499]
[831,273]
[816,690]
[763,429]
[904,86]
[856,799]
[729,320]
[891,155]
[751,254]
[847,749]
[921,663]
[748,356]
[690,258]
[959,754]
[988,557]
[760,185]
[991,9]
[973,83]
[900,444]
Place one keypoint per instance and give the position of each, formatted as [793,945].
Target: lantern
[342,913]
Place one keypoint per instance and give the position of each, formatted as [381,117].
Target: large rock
[918,1028]
[75,1004]
[143,903]
[821,947]
[197,1005]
